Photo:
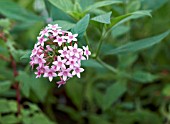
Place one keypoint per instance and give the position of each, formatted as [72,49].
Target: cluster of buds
[56,54]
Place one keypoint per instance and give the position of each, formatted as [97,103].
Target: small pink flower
[62,82]
[74,50]
[44,32]
[72,63]
[60,64]
[77,71]
[64,52]
[49,48]
[40,60]
[71,37]
[50,73]
[65,73]
[86,51]
[41,40]
[60,40]
[53,27]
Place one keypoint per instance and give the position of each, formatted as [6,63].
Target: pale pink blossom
[44,32]
[49,48]
[41,40]
[77,71]
[65,73]
[86,51]
[64,52]
[60,40]
[72,63]
[53,27]
[50,73]
[55,58]
[74,50]
[62,82]
[71,37]
[60,64]
[40,60]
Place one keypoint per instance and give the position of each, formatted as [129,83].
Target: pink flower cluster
[56,54]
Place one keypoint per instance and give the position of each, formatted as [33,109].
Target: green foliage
[104,18]
[81,26]
[140,44]
[126,79]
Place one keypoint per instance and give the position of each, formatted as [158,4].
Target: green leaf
[4,86]
[139,45]
[4,107]
[81,26]
[133,6]
[166,90]
[113,93]
[104,18]
[91,63]
[64,5]
[10,119]
[25,81]
[75,115]
[37,118]
[153,5]
[120,30]
[26,55]
[124,18]
[64,24]
[75,96]
[144,77]
[29,82]
[5,23]
[98,119]
[13,11]
[101,4]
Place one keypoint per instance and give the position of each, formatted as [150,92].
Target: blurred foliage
[126,80]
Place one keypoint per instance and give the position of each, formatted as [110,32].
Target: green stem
[87,41]
[111,68]
[101,41]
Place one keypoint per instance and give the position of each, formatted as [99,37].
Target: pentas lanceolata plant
[56,54]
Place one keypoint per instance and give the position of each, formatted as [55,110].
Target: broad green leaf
[64,5]
[140,44]
[26,55]
[124,18]
[75,96]
[4,107]
[29,82]
[85,3]
[58,14]
[37,118]
[166,90]
[101,4]
[13,11]
[133,5]
[113,93]
[4,86]
[75,115]
[104,18]
[40,87]
[91,63]
[25,82]
[153,5]
[144,77]
[81,26]
[120,30]
[98,119]
[5,23]
[64,24]
[10,119]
